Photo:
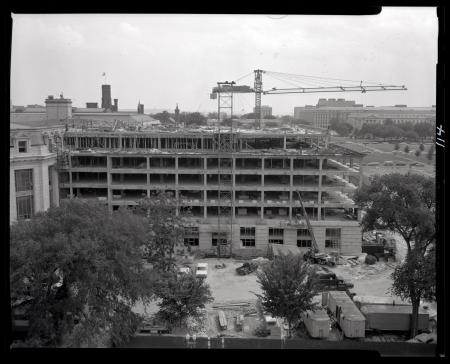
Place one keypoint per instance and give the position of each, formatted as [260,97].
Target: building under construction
[241,185]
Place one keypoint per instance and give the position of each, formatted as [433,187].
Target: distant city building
[58,109]
[33,172]
[356,114]
[177,114]
[91,105]
[265,111]
[140,108]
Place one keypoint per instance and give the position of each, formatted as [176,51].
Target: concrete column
[319,204]
[12,196]
[284,142]
[205,199]
[55,185]
[292,164]
[290,203]
[233,198]
[361,175]
[70,175]
[109,181]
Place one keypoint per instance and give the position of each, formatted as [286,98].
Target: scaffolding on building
[225,145]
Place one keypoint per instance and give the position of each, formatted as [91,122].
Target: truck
[328,280]
[378,245]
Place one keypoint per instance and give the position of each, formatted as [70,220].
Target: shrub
[370,259]
[418,152]
[421,147]
[406,150]
[261,330]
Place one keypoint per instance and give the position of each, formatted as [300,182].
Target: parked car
[184,270]
[247,268]
[202,270]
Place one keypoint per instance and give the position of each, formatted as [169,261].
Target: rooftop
[390,309]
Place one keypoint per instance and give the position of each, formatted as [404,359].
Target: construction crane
[311,80]
[313,255]
[224,143]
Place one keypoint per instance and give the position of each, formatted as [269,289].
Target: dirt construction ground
[227,287]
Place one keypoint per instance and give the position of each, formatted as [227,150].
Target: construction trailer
[347,315]
[393,318]
[317,323]
[378,300]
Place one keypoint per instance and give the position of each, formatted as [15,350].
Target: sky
[166,59]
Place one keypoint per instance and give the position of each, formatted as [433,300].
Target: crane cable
[314,82]
[240,78]
[320,78]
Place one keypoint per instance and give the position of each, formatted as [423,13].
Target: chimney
[106,97]
[116,105]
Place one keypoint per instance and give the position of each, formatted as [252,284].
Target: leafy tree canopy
[181,297]
[164,229]
[82,270]
[288,286]
[400,203]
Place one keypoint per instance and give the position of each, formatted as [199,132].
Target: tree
[181,297]
[227,122]
[417,153]
[288,284]
[404,204]
[415,279]
[251,115]
[430,152]
[271,124]
[424,129]
[411,135]
[193,118]
[287,120]
[163,117]
[421,147]
[81,269]
[396,146]
[388,122]
[165,230]
[342,128]
[406,150]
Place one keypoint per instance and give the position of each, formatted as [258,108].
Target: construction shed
[378,300]
[317,323]
[349,318]
[392,318]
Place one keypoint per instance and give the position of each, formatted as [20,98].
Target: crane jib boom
[313,239]
[305,90]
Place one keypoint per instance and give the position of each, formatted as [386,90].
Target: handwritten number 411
[439,132]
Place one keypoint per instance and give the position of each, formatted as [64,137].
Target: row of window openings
[276,236]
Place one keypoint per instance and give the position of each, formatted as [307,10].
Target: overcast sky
[162,60]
